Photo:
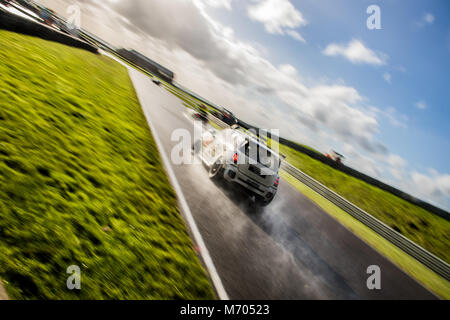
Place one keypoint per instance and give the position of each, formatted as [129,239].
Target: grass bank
[81,183]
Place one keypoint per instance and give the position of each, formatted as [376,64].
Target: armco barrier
[12,22]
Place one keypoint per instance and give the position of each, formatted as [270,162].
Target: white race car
[237,157]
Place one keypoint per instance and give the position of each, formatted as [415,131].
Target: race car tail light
[235,158]
[277,182]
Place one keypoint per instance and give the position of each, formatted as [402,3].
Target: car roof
[245,136]
[227,111]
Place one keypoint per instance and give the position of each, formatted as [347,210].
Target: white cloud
[434,186]
[289,70]
[295,35]
[363,163]
[422,105]
[226,4]
[396,173]
[387,77]
[278,17]
[428,18]
[394,118]
[400,68]
[396,161]
[356,52]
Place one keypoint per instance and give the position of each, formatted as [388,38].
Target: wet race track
[291,249]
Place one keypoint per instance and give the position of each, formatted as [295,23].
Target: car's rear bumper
[231,173]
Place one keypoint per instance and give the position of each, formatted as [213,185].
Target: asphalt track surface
[291,249]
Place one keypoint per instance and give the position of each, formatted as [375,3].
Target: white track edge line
[185,207]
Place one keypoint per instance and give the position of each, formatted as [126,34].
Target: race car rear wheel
[195,148]
[216,170]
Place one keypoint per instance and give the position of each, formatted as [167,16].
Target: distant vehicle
[147,64]
[335,156]
[237,157]
[201,114]
[156,81]
[226,116]
[5,2]
[48,16]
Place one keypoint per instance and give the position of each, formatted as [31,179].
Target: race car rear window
[259,154]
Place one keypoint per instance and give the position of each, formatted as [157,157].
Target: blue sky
[312,69]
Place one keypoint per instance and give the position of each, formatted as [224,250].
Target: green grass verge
[419,225]
[81,183]
[428,278]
